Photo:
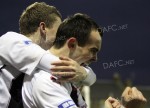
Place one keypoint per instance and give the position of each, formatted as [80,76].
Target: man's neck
[59,52]
[35,37]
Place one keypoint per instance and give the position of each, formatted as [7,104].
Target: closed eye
[94,50]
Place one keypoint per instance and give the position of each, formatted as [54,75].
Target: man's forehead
[95,39]
[95,36]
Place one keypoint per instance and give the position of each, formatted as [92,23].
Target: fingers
[61,63]
[133,98]
[126,95]
[142,97]
[63,68]
[112,103]
[116,104]
[127,91]
[64,74]
[108,103]
[137,94]
[70,69]
[64,58]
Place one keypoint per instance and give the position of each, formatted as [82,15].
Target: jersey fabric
[41,90]
[89,80]
[18,54]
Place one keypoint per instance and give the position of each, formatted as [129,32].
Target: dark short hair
[78,26]
[34,14]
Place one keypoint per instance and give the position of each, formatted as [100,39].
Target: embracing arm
[72,71]
[20,52]
[25,56]
[91,77]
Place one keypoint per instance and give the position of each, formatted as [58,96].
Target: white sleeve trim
[91,77]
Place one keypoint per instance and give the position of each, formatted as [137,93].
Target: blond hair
[34,14]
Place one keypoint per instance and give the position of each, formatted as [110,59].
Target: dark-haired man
[18,53]
[82,43]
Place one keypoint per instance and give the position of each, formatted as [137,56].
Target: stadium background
[125,55]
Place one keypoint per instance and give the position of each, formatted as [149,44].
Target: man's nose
[94,58]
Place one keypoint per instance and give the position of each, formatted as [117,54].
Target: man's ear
[72,43]
[42,26]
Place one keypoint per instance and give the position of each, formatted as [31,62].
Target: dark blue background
[126,26]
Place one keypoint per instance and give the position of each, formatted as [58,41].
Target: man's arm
[20,52]
[25,56]
[91,77]
[72,71]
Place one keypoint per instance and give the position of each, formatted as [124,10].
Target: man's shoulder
[14,35]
